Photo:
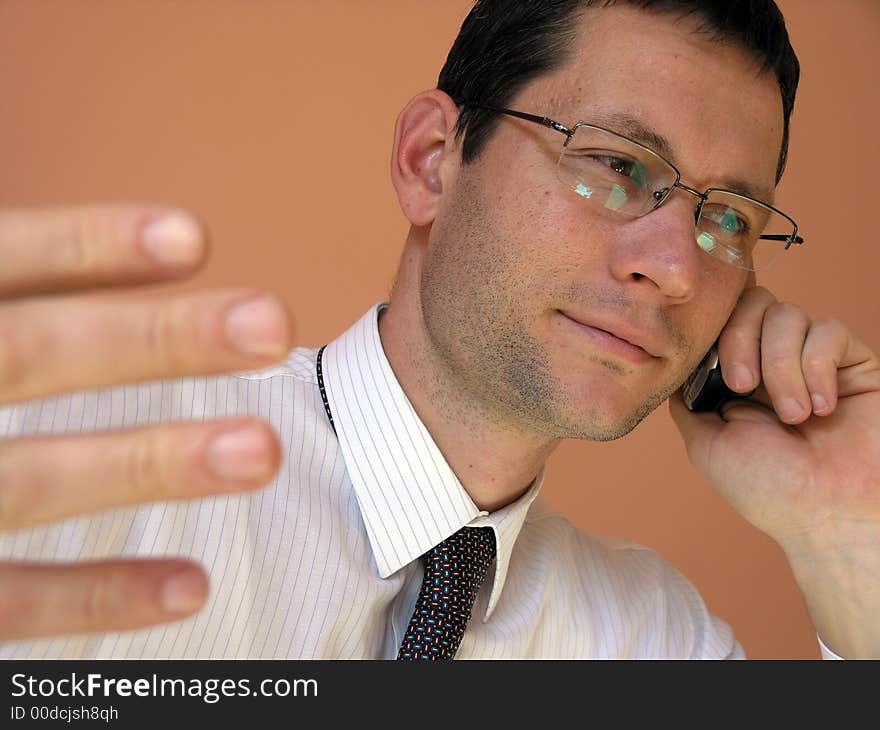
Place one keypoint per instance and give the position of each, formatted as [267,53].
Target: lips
[620,338]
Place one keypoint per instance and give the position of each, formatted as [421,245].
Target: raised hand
[800,459]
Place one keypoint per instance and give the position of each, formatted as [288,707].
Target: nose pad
[659,196]
[663,195]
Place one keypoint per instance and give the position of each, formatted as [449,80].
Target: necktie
[454,571]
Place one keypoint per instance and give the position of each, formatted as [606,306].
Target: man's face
[514,255]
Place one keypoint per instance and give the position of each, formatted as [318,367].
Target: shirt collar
[409,497]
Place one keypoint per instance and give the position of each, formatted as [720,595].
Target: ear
[424,154]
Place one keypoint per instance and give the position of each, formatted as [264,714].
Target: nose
[659,249]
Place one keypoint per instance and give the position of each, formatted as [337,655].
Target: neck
[494,459]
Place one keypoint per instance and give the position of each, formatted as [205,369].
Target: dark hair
[505,44]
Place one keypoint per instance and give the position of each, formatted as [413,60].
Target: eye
[729,220]
[632,169]
[620,165]
[615,161]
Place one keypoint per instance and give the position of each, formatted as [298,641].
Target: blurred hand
[57,334]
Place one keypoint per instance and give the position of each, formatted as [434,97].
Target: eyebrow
[762,195]
[632,127]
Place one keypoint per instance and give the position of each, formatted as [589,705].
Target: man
[550,287]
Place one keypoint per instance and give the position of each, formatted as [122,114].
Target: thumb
[697,429]
[701,430]
[749,410]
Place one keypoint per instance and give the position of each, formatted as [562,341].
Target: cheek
[555,230]
[725,286]
[479,256]
[718,296]
[533,210]
[520,233]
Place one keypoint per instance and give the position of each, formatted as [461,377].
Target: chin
[605,411]
[607,427]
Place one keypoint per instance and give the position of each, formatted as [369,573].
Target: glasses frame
[660,196]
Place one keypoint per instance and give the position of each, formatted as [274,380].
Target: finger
[120,595]
[53,250]
[782,344]
[824,350]
[44,479]
[858,369]
[59,344]
[739,345]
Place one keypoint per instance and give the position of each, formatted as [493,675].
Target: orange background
[273,122]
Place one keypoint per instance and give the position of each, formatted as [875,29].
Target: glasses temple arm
[774,237]
[544,121]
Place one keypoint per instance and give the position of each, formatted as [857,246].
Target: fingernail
[184,592]
[239,454]
[790,409]
[173,240]
[741,376]
[819,403]
[257,327]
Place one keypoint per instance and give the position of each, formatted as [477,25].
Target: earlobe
[423,139]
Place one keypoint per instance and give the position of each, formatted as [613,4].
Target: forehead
[718,117]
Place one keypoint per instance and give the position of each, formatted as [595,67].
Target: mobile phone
[705,389]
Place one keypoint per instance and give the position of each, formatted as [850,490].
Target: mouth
[609,342]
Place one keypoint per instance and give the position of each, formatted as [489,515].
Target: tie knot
[471,549]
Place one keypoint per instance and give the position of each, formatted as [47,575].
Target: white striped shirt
[324,562]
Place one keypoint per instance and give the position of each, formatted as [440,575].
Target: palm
[786,480]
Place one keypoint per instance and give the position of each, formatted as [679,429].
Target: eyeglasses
[618,176]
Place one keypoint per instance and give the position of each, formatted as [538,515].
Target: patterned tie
[454,571]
